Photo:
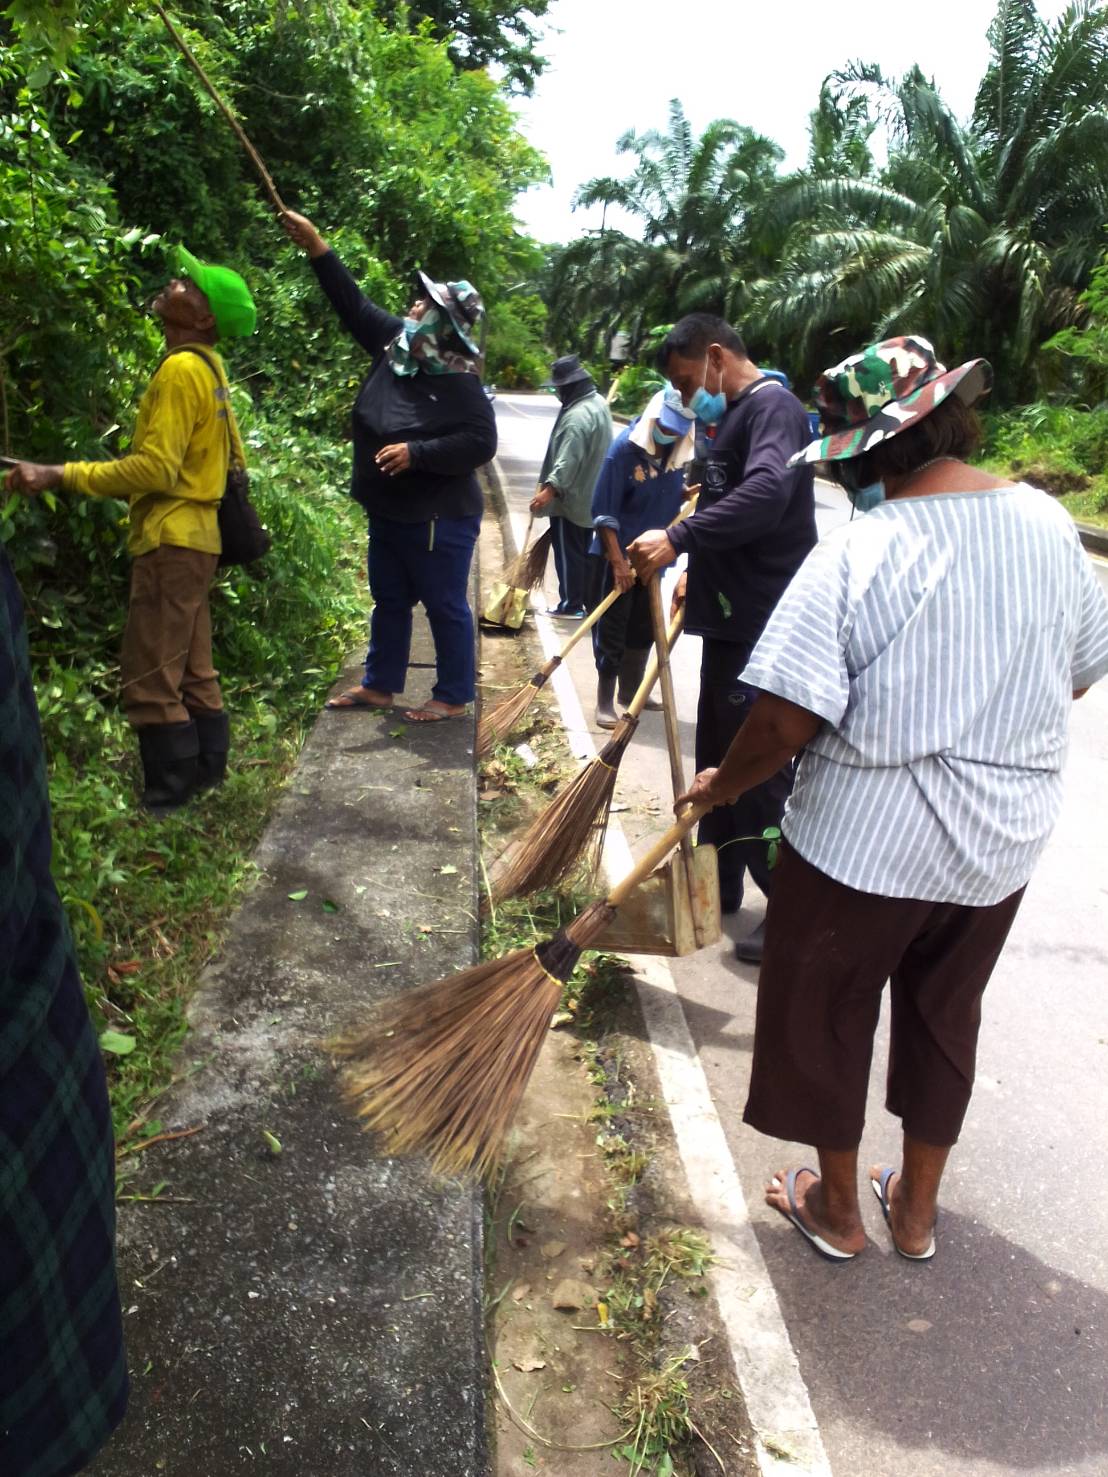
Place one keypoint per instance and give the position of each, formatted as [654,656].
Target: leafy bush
[634,387]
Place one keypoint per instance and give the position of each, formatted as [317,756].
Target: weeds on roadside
[148,899]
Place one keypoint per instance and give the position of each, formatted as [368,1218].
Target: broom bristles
[496,725]
[533,562]
[568,835]
[528,569]
[443,1068]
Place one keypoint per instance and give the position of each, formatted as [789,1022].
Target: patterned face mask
[420,346]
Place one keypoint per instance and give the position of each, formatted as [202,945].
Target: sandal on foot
[427,714]
[815,1240]
[351,699]
[881,1189]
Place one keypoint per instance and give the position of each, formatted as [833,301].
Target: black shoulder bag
[242,537]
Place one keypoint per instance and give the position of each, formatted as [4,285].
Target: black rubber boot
[213,731]
[170,757]
[631,671]
[749,949]
[606,716]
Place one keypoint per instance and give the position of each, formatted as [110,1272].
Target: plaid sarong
[63,1380]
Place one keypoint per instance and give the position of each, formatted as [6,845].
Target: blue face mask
[663,438]
[864,498]
[707,407]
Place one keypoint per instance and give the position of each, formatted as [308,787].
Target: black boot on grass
[213,731]
[170,758]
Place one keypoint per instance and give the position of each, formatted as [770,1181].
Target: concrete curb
[1094,539]
[312,1307]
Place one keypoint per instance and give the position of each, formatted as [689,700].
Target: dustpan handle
[657,854]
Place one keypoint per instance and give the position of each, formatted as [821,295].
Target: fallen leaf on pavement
[551,1249]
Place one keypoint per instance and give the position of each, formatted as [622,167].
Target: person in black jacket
[754,524]
[422,427]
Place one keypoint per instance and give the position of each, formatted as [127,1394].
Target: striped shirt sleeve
[1090,656]
[800,656]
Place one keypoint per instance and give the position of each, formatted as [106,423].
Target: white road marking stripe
[788,1438]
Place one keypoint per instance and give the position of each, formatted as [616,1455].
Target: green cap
[228,295]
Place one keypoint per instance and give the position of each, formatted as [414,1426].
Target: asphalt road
[993,1357]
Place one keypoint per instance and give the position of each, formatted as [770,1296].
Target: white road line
[788,1438]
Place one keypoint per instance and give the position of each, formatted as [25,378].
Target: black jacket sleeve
[754,506]
[466,448]
[368,325]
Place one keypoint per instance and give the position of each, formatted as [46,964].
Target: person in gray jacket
[575,453]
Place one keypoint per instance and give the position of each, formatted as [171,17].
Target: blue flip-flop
[881,1189]
[815,1240]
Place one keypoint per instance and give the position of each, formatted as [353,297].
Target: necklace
[935,460]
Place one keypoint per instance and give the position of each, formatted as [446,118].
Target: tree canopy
[981,234]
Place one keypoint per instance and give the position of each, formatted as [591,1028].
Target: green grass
[149,900]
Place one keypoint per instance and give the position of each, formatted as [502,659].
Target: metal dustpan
[658,916]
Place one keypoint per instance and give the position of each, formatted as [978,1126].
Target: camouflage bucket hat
[461,302]
[882,391]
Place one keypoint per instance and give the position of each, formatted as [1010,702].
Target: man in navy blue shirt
[754,524]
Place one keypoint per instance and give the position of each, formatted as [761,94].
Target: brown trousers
[828,953]
[166,665]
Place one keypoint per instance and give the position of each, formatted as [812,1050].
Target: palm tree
[982,235]
[693,200]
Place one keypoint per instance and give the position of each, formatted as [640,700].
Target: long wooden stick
[673,744]
[240,134]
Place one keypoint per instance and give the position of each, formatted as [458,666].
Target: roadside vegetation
[406,152]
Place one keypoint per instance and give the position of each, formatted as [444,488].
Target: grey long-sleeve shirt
[575,453]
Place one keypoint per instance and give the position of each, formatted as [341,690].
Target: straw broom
[499,723]
[504,717]
[528,569]
[570,831]
[443,1068]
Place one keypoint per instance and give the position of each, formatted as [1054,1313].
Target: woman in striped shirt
[924,658]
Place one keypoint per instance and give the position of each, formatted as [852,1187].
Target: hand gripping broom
[504,717]
[442,1068]
[570,830]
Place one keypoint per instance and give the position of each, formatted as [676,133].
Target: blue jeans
[425,563]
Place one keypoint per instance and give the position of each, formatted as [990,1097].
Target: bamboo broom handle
[657,853]
[586,625]
[673,744]
[527,535]
[255,158]
[610,599]
[650,676]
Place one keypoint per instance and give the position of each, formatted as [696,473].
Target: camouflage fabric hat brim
[444,295]
[969,381]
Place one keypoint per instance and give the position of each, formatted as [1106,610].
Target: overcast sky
[615,64]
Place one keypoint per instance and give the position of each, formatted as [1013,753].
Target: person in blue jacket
[640,486]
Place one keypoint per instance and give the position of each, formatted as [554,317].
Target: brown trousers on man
[167,671]
[829,952]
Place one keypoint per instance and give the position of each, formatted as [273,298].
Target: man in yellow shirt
[173,479]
